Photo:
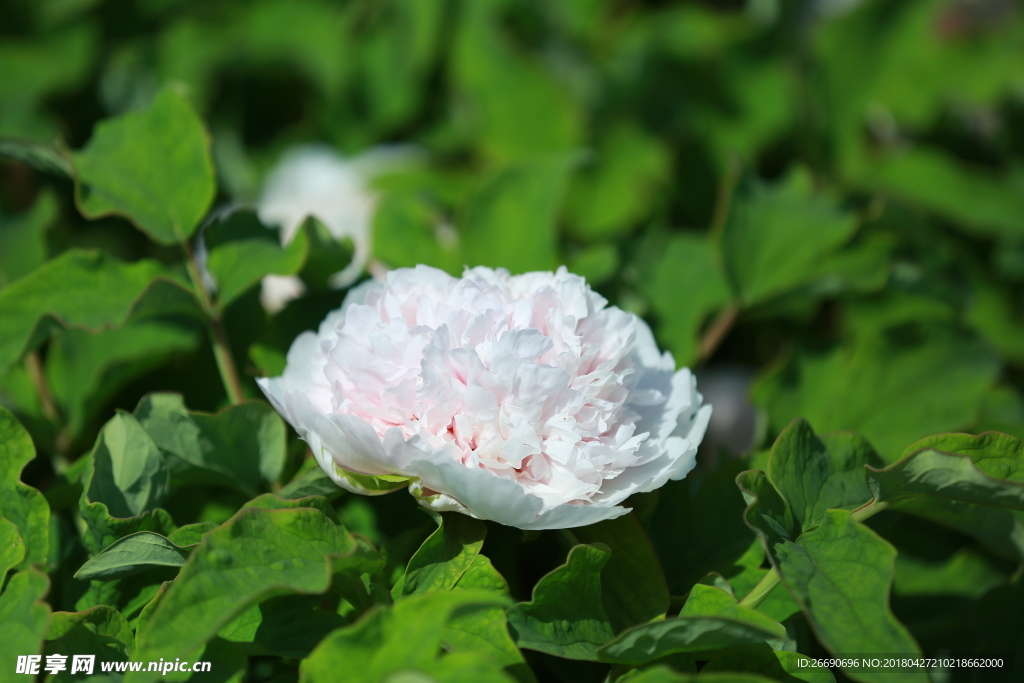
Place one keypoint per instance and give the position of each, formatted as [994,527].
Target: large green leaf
[712,601]
[242,251]
[84,289]
[85,369]
[23,617]
[131,554]
[12,547]
[776,237]
[841,573]
[22,505]
[242,446]
[102,631]
[511,219]
[23,238]
[936,474]
[633,585]
[124,481]
[687,266]
[406,637]
[256,555]
[151,166]
[998,455]
[817,474]
[483,629]
[658,639]
[891,391]
[445,556]
[565,618]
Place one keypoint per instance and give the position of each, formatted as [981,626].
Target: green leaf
[23,238]
[483,629]
[23,616]
[840,573]
[152,166]
[817,474]
[406,233]
[12,547]
[289,626]
[936,474]
[270,501]
[510,220]
[1000,456]
[85,369]
[45,158]
[705,601]
[445,556]
[131,554]
[242,251]
[565,618]
[633,585]
[688,264]
[767,511]
[242,446]
[611,196]
[663,674]
[22,505]
[190,534]
[775,237]
[968,572]
[256,555]
[128,475]
[312,482]
[85,289]
[646,643]
[102,631]
[891,391]
[407,636]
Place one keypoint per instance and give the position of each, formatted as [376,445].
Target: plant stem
[35,372]
[868,510]
[762,590]
[218,337]
[717,331]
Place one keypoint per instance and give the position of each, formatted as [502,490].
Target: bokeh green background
[824,195]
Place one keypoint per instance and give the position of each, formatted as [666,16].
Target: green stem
[218,337]
[762,590]
[869,510]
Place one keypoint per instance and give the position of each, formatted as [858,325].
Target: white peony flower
[522,399]
[313,180]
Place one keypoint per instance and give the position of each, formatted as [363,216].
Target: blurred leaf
[892,392]
[242,446]
[520,109]
[131,554]
[663,674]
[633,586]
[685,285]
[817,474]
[84,369]
[23,616]
[445,556]
[405,234]
[611,196]
[968,573]
[84,289]
[404,637]
[45,158]
[240,564]
[242,251]
[565,617]
[152,166]
[23,238]
[36,69]
[973,198]
[846,603]
[510,220]
[776,236]
[22,505]
[595,263]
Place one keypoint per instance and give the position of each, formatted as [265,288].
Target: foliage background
[821,201]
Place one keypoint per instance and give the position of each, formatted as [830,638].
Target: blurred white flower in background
[314,180]
[524,399]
